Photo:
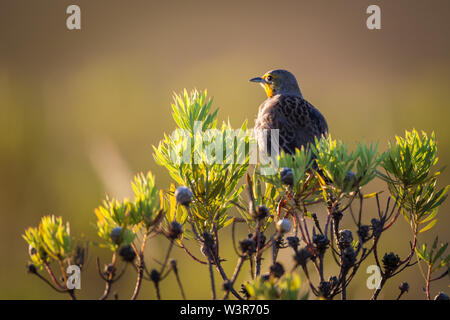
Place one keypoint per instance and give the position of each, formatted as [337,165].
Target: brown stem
[175,270]
[428,282]
[258,248]
[237,269]
[191,218]
[109,277]
[167,257]
[158,293]
[211,274]
[378,290]
[141,266]
[53,277]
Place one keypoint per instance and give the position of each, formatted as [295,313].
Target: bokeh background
[80,110]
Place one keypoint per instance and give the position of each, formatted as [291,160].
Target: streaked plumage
[285,109]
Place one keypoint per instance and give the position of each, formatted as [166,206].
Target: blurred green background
[80,110]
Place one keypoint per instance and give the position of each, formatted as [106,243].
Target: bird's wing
[296,119]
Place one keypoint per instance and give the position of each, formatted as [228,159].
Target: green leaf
[428,226]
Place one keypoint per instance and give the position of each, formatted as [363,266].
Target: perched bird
[285,109]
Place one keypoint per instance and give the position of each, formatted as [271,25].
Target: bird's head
[278,82]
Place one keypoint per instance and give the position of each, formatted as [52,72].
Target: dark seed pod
[337,215]
[390,262]
[262,239]
[183,195]
[321,242]
[175,230]
[227,286]
[265,277]
[261,212]
[155,276]
[345,238]
[363,232]
[348,257]
[287,176]
[283,226]
[293,242]
[127,253]
[377,227]
[325,289]
[404,287]
[116,234]
[31,268]
[247,246]
[277,270]
[301,256]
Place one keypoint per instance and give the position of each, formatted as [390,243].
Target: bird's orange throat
[268,89]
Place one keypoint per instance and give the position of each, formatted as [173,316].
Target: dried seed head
[325,288]
[116,234]
[31,268]
[155,276]
[293,242]
[301,256]
[283,226]
[287,176]
[390,262]
[277,270]
[247,246]
[262,238]
[227,286]
[337,215]
[175,230]
[321,242]
[183,196]
[261,212]
[363,232]
[209,247]
[208,239]
[345,238]
[376,226]
[404,287]
[265,277]
[348,257]
[127,253]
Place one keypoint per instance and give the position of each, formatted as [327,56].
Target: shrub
[208,161]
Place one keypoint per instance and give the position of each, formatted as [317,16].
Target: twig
[428,282]
[141,266]
[177,276]
[167,257]
[211,274]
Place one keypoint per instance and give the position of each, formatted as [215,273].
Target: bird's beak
[257,79]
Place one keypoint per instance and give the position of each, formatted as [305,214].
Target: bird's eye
[269,78]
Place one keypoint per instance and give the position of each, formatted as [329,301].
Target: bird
[285,109]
